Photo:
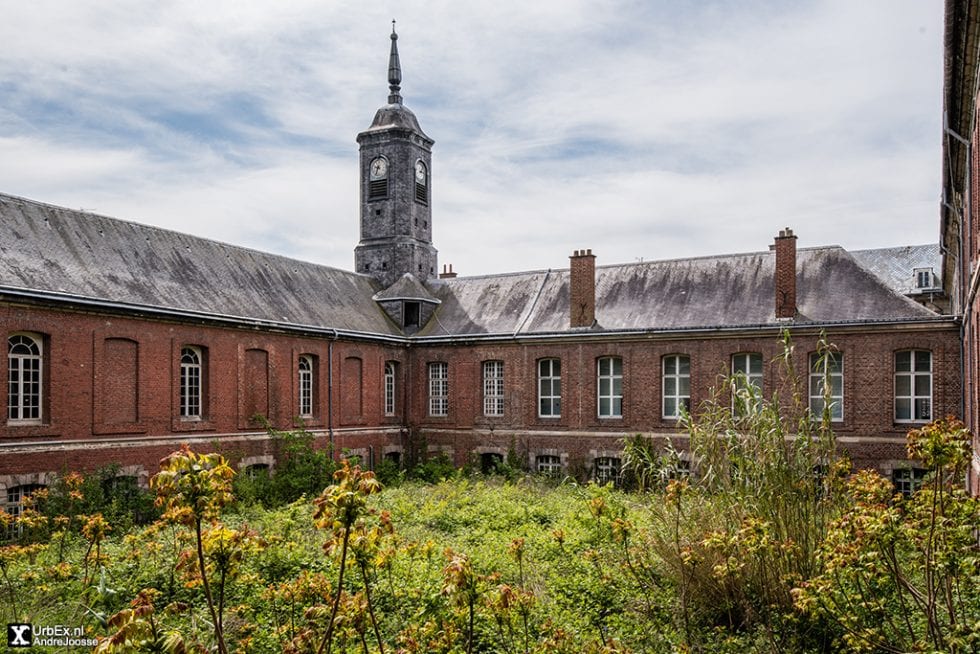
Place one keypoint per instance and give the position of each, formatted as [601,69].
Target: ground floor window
[548,464]
[606,469]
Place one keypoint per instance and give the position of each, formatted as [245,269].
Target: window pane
[903,385]
[923,360]
[836,386]
[604,366]
[903,408]
[670,365]
[755,364]
[618,386]
[617,366]
[685,383]
[604,406]
[903,361]
[617,406]
[923,385]
[738,364]
[604,386]
[684,365]
[923,409]
[670,406]
[670,386]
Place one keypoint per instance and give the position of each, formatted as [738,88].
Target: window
[24,378]
[610,386]
[191,382]
[394,457]
[493,388]
[827,368]
[257,471]
[378,179]
[606,469]
[924,278]
[913,386]
[746,371]
[548,465]
[908,480]
[306,386]
[411,315]
[677,385]
[390,369]
[549,388]
[421,183]
[438,389]
[16,496]
[491,462]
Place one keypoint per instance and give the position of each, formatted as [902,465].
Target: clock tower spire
[396,190]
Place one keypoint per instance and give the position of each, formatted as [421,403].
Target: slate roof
[78,255]
[728,291]
[60,253]
[407,287]
[895,266]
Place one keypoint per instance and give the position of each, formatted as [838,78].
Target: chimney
[447,274]
[785,282]
[582,289]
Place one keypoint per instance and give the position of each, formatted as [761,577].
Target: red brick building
[125,341]
[960,226]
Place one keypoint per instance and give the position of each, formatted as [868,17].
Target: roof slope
[723,291]
[896,266]
[85,256]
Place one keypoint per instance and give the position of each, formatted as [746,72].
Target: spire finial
[394,70]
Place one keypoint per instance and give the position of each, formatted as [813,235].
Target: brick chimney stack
[447,273]
[582,289]
[785,247]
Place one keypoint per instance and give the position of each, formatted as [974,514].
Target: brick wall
[91,360]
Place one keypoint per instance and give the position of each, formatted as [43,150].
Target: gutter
[336,334]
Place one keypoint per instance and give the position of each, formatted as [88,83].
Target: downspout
[330,391]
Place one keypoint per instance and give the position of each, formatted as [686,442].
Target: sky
[642,129]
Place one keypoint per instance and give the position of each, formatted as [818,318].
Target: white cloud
[650,130]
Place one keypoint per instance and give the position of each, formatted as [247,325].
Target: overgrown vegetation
[755,538]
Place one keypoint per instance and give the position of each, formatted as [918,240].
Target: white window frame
[609,387]
[14,507]
[389,381]
[908,480]
[548,464]
[747,368]
[910,374]
[191,382]
[438,389]
[816,384]
[25,378]
[674,380]
[549,388]
[493,388]
[305,372]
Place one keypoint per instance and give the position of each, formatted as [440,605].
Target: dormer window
[925,279]
[421,183]
[378,179]
[412,314]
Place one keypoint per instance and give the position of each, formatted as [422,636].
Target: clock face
[420,172]
[379,168]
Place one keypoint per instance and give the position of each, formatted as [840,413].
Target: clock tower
[396,190]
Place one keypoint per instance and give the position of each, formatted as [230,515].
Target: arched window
[421,182]
[378,179]
[191,382]
[24,359]
[306,386]
[390,370]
